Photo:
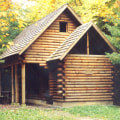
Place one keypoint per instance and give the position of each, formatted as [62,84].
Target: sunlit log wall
[88,78]
[47,43]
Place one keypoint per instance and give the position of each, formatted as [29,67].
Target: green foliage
[114,36]
[102,112]
[34,114]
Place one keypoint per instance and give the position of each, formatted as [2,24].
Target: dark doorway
[36,82]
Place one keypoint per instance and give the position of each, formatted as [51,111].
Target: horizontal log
[89,88]
[91,67]
[89,79]
[86,83]
[47,33]
[59,91]
[38,62]
[59,86]
[88,99]
[88,64]
[88,94]
[87,60]
[82,86]
[87,91]
[64,34]
[90,71]
[42,49]
[47,43]
[35,59]
[73,83]
[45,46]
[37,55]
[88,74]
[87,56]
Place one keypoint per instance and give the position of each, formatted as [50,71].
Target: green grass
[102,112]
[72,113]
[33,114]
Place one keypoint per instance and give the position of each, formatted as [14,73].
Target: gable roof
[32,32]
[72,40]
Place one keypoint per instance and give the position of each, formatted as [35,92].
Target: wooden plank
[45,46]
[16,86]
[92,71]
[83,69]
[12,85]
[89,79]
[88,75]
[87,91]
[88,94]
[89,99]
[23,83]
[94,66]
[47,43]
[88,64]
[87,83]
[76,83]
[89,88]
[87,61]
[87,56]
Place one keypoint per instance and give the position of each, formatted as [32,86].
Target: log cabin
[59,60]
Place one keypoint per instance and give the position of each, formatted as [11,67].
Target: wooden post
[88,44]
[12,84]
[16,86]
[23,83]
[0,82]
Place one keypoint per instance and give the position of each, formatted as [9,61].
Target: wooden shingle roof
[72,40]
[32,32]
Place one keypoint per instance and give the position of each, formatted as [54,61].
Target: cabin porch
[24,83]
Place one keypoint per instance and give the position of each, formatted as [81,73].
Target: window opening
[63,26]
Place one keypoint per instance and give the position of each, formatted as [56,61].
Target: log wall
[47,43]
[56,80]
[88,78]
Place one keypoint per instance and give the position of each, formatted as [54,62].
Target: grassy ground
[72,113]
[102,112]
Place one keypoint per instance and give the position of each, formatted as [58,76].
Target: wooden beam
[16,86]
[88,44]
[23,82]
[12,84]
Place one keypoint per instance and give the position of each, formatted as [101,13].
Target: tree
[10,20]
[39,10]
[114,36]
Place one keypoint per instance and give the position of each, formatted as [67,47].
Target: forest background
[16,16]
